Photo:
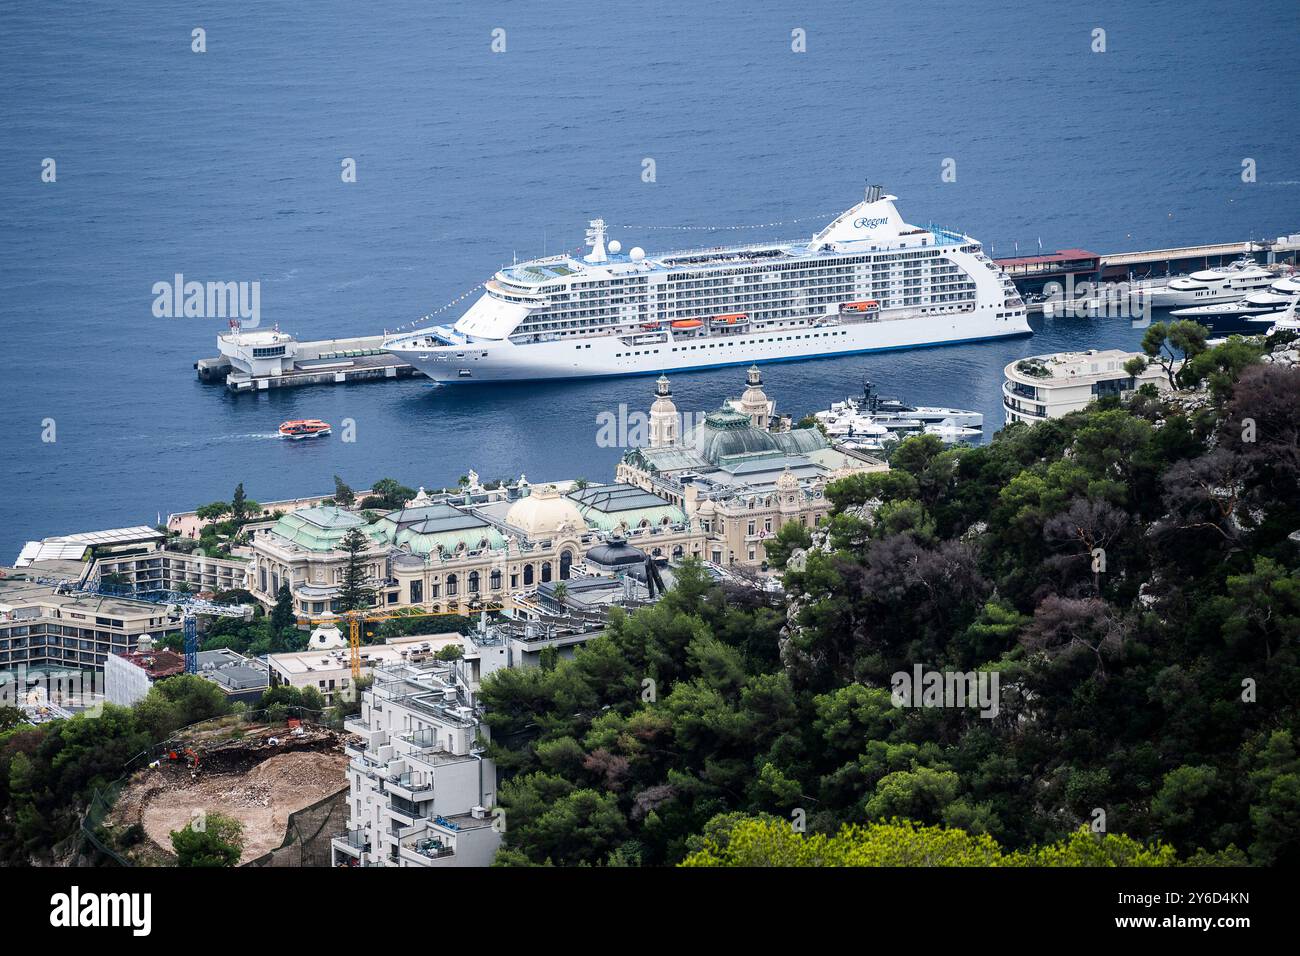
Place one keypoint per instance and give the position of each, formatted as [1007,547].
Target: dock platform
[324,362]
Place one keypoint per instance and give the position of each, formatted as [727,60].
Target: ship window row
[682,298]
[766,338]
[702,304]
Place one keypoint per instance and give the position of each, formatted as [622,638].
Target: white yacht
[873,420]
[866,282]
[1233,316]
[1288,318]
[1209,285]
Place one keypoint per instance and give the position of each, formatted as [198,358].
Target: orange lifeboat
[687,323]
[304,428]
[866,305]
[730,318]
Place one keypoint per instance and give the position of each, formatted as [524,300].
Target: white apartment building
[1050,386]
[421,790]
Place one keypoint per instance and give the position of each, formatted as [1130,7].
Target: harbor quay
[254,360]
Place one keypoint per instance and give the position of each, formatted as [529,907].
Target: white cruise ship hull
[601,356]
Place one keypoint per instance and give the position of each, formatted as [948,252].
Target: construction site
[259,774]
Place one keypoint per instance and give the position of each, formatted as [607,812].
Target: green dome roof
[727,434]
[610,507]
[438,528]
[320,529]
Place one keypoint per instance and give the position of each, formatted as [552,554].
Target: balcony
[409,788]
[355,725]
[1014,389]
[426,851]
[421,739]
[356,750]
[352,842]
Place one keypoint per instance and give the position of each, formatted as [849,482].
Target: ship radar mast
[596,239]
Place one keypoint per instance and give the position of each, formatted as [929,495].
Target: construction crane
[187,607]
[190,611]
[355,619]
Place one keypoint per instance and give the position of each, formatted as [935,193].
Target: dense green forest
[1130,574]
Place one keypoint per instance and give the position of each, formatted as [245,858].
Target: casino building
[740,474]
[715,493]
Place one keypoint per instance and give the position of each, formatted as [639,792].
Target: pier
[255,361]
[1031,273]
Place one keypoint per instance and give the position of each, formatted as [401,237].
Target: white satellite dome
[326,636]
[615,246]
[637,253]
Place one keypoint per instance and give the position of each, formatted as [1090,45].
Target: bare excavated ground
[261,795]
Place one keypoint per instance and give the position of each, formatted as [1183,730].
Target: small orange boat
[304,428]
[730,318]
[687,324]
[867,305]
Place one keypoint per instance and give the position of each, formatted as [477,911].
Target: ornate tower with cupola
[663,415]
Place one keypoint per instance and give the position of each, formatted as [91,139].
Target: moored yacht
[1288,319]
[1209,285]
[873,420]
[866,282]
[1226,317]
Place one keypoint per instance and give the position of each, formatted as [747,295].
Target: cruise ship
[866,282]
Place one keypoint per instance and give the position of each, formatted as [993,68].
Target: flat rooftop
[1071,368]
[298,663]
[18,589]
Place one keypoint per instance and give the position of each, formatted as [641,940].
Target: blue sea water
[225,166]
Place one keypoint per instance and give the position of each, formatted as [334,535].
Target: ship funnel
[596,239]
[873,193]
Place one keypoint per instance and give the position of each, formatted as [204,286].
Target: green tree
[788,537]
[769,842]
[10,717]
[355,593]
[239,505]
[1275,808]
[213,511]
[343,495]
[388,493]
[1172,345]
[282,615]
[218,841]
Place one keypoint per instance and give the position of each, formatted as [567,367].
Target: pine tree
[239,504]
[343,493]
[282,613]
[355,593]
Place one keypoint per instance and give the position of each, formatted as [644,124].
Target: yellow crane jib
[356,619]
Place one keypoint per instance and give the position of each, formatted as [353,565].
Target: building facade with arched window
[716,492]
[741,473]
[452,549]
